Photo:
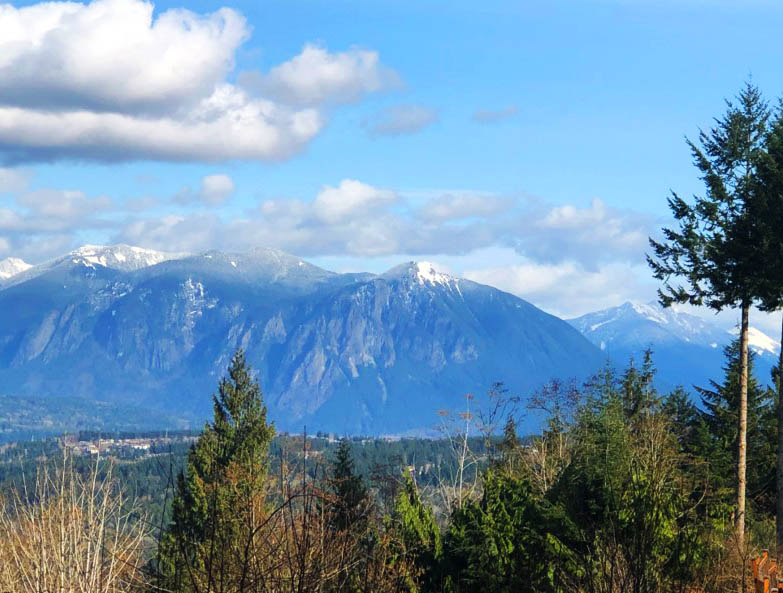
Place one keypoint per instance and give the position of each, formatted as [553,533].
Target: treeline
[625,489]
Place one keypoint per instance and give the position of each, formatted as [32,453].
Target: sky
[526,145]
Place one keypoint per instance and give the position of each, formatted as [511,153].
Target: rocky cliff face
[345,352]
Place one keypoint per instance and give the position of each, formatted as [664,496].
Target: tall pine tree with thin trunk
[768,214]
[713,257]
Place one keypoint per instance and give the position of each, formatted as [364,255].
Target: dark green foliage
[507,542]
[715,247]
[627,491]
[418,537]
[720,403]
[352,502]
[766,212]
[224,474]
[510,448]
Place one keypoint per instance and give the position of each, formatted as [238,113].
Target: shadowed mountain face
[687,350]
[343,352]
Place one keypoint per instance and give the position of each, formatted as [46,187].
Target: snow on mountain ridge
[11,266]
[759,341]
[121,256]
[426,273]
[627,321]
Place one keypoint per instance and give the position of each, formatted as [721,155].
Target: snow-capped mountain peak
[120,256]
[11,266]
[646,324]
[422,273]
[651,311]
[426,273]
[686,348]
[758,341]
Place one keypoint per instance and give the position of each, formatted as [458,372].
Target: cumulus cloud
[351,197]
[567,288]
[357,219]
[315,77]
[164,94]
[590,235]
[464,205]
[111,55]
[400,119]
[214,191]
[567,259]
[491,116]
[46,222]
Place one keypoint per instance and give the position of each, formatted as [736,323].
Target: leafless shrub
[72,534]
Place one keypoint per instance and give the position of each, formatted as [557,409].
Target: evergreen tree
[507,542]
[638,393]
[716,250]
[221,492]
[352,500]
[510,448]
[768,215]
[418,539]
[720,410]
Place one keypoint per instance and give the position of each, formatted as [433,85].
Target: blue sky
[529,145]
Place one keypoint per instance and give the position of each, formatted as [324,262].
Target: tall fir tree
[768,215]
[222,490]
[352,501]
[720,411]
[715,249]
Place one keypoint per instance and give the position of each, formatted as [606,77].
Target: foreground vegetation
[626,489]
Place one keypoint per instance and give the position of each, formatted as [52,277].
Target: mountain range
[351,353]
[688,350]
[355,353]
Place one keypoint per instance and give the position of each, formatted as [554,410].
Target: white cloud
[214,191]
[316,76]
[567,288]
[12,180]
[590,235]
[351,197]
[66,204]
[464,205]
[111,55]
[227,125]
[112,81]
[401,119]
[48,222]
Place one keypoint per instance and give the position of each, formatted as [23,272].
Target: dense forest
[623,489]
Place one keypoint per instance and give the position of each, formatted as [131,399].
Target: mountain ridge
[347,352]
[684,345]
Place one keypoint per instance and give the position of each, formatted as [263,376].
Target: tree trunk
[742,429]
[779,500]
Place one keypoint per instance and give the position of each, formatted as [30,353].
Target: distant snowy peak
[427,274]
[646,323]
[120,257]
[125,258]
[649,323]
[758,341]
[11,266]
[422,273]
